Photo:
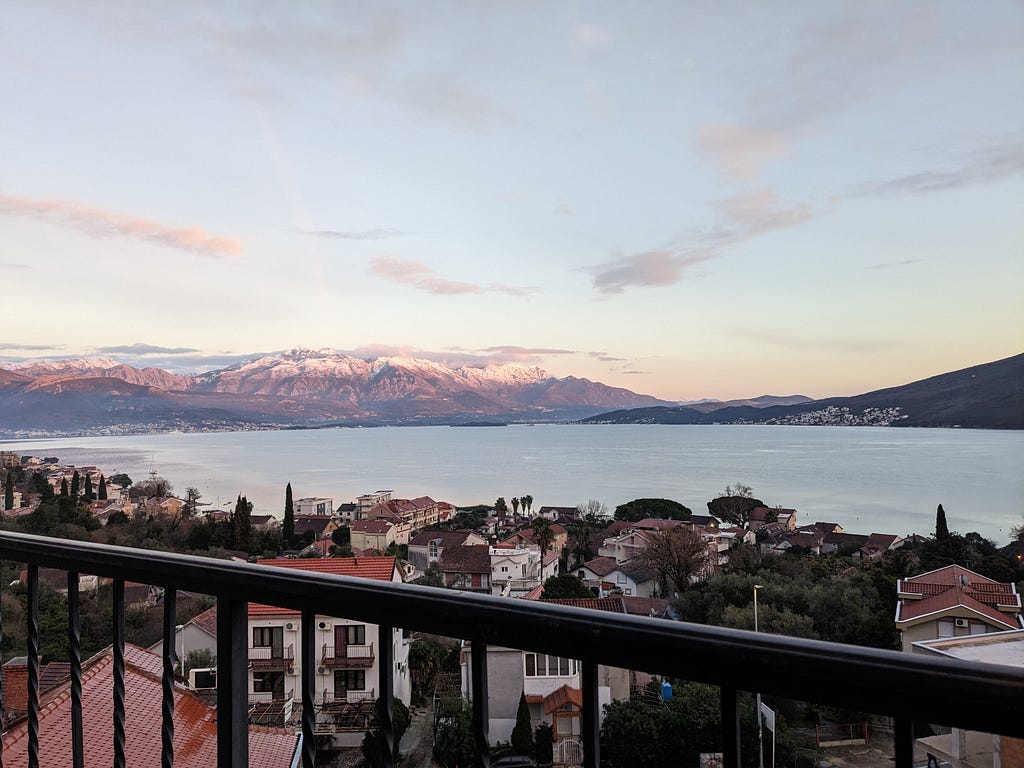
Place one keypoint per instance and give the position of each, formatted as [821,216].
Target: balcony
[347,656]
[908,688]
[271,658]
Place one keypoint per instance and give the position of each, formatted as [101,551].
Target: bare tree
[678,556]
[592,510]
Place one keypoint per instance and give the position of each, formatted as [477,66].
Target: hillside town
[654,558]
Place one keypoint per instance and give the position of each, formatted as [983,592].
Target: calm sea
[867,479]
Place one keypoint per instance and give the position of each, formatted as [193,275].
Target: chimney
[16,686]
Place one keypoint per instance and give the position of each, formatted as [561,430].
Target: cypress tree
[89,495]
[76,484]
[103,489]
[522,734]
[241,526]
[63,486]
[9,491]
[289,516]
[941,529]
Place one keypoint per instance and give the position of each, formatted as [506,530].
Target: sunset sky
[688,199]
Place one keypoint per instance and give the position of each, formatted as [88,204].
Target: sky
[687,199]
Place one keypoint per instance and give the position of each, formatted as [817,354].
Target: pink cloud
[100,223]
[740,151]
[421,276]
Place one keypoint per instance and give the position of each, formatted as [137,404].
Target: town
[743,564]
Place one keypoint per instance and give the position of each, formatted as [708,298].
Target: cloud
[509,349]
[844,344]
[741,218]
[604,357]
[6,265]
[591,35]
[456,357]
[891,264]
[99,223]
[30,347]
[634,373]
[145,349]
[420,276]
[996,162]
[367,234]
[740,151]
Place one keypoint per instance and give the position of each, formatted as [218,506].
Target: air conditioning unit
[321,670]
[323,625]
[289,625]
[203,678]
[960,623]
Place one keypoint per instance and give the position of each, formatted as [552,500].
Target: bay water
[886,480]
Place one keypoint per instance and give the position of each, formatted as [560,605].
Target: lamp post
[760,730]
[180,632]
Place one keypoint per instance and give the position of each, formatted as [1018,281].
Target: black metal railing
[907,687]
[347,656]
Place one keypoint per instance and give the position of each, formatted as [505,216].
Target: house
[321,526]
[972,749]
[347,513]
[347,675]
[954,602]
[315,505]
[517,570]
[527,538]
[368,501]
[466,566]
[425,548]
[567,514]
[842,543]
[419,512]
[373,534]
[608,577]
[15,700]
[625,545]
[197,634]
[195,722]
[761,516]
[265,523]
[157,506]
[877,544]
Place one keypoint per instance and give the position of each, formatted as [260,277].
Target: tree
[500,506]
[76,483]
[201,658]
[153,486]
[515,505]
[638,509]
[1017,532]
[941,529]
[38,484]
[741,490]
[64,486]
[89,495]
[102,494]
[527,502]
[288,529]
[677,555]
[454,744]
[9,491]
[545,536]
[565,586]
[241,526]
[522,733]
[733,508]
[593,511]
[121,479]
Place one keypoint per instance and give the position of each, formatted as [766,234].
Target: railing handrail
[352,651]
[964,694]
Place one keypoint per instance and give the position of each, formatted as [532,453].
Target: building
[321,526]
[347,675]
[466,566]
[425,548]
[197,634]
[195,722]
[607,577]
[517,570]
[315,505]
[419,512]
[954,602]
[374,535]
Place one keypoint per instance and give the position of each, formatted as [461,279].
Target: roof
[880,541]
[207,621]
[562,696]
[316,523]
[950,575]
[468,558]
[444,538]
[657,524]
[954,597]
[372,526]
[376,568]
[602,566]
[636,571]
[195,726]
[992,648]
[955,586]
[611,604]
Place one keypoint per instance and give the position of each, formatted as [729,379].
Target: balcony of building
[347,656]
[271,658]
[908,688]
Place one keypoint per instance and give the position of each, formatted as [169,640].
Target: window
[978,628]
[269,682]
[269,637]
[946,629]
[542,665]
[349,680]
[432,550]
[504,569]
[355,634]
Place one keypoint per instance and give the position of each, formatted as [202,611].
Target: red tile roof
[195,727]
[207,621]
[602,566]
[952,598]
[376,568]
[468,558]
[612,604]
[562,696]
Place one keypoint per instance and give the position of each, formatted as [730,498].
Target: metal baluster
[904,737]
[478,673]
[119,739]
[75,653]
[386,681]
[308,661]
[232,684]
[730,727]
[167,714]
[591,716]
[3,704]
[33,666]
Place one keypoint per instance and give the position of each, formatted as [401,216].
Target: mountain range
[297,388]
[989,396]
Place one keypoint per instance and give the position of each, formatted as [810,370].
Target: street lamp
[760,730]
[180,632]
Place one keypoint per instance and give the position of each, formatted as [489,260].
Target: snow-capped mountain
[300,386]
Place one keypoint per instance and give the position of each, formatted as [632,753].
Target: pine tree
[63,486]
[941,529]
[289,516]
[103,489]
[89,495]
[522,734]
[9,491]
[76,484]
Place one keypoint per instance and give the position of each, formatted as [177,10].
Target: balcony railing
[271,657]
[347,656]
[908,688]
[270,697]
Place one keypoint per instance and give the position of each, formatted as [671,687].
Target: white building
[315,505]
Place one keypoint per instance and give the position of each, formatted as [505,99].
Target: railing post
[75,656]
[307,653]
[167,713]
[386,682]
[33,666]
[3,703]
[591,717]
[118,647]
[730,728]
[481,717]
[232,683]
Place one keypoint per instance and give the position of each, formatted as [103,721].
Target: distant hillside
[989,396]
[762,401]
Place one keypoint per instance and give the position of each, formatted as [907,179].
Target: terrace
[908,688]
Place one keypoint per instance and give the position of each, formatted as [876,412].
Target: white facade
[315,505]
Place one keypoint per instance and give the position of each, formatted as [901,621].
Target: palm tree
[544,535]
[528,503]
[515,505]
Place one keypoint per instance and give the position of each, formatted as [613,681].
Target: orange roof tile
[376,568]
[562,696]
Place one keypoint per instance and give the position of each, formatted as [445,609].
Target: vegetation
[544,535]
[454,745]
[941,527]
[664,509]
[677,555]
[734,506]
[288,527]
[565,586]
[374,747]
[522,733]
